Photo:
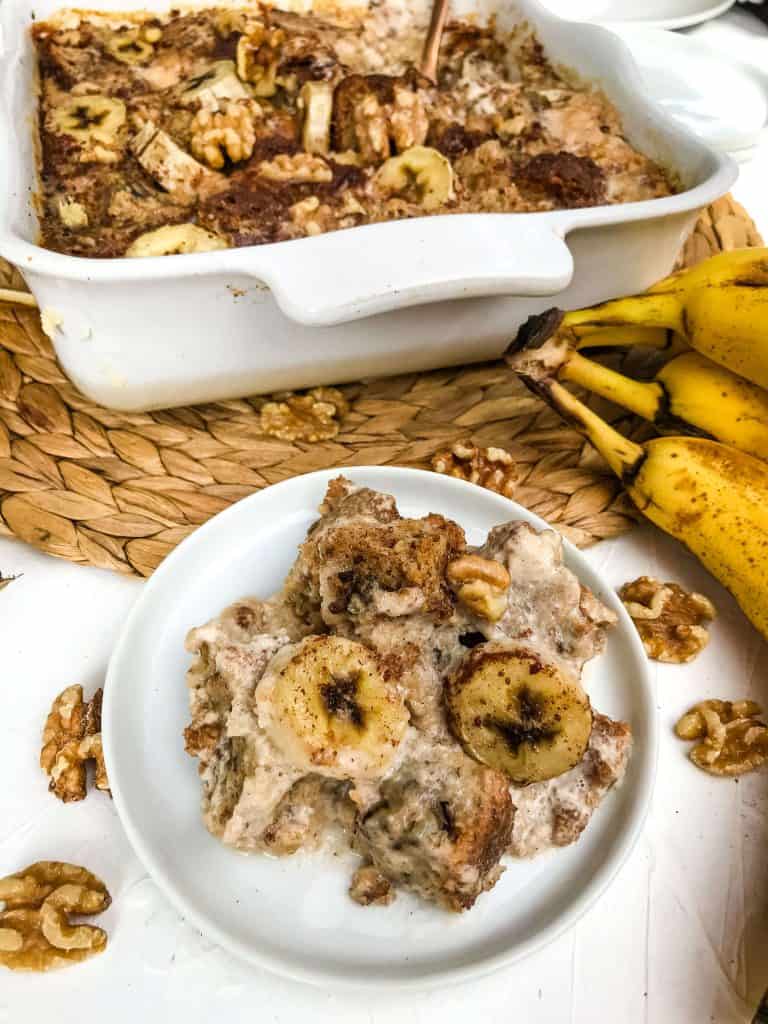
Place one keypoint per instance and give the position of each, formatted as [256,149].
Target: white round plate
[293,915]
[653,13]
[722,101]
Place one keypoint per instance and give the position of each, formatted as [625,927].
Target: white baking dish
[380,299]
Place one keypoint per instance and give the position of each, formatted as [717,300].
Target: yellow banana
[720,307]
[627,337]
[690,391]
[711,497]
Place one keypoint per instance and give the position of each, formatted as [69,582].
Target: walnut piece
[218,136]
[374,113]
[312,417]
[296,167]
[35,930]
[481,584]
[734,740]
[408,119]
[668,618]
[492,468]
[258,57]
[72,738]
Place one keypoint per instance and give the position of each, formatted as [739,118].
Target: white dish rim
[681,21]
[598,884]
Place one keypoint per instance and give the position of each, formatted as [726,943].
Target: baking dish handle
[348,275]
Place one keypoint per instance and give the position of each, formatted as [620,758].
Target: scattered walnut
[492,468]
[734,740]
[668,619]
[228,134]
[311,417]
[296,167]
[481,584]
[35,932]
[72,738]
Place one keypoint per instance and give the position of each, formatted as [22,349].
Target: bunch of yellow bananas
[712,496]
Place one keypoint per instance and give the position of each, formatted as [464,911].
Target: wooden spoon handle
[431,52]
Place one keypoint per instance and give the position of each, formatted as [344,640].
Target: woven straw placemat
[120,490]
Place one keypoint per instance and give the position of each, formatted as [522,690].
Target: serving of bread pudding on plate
[412,698]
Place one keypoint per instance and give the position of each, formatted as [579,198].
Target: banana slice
[420,170]
[89,117]
[328,709]
[131,45]
[172,167]
[518,714]
[219,82]
[71,213]
[175,239]
[316,100]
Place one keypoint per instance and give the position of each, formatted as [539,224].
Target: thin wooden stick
[431,52]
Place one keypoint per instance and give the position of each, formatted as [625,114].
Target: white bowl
[293,915]
[666,14]
[722,100]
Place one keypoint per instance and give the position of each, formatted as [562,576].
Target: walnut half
[72,738]
[492,468]
[228,134]
[35,930]
[312,417]
[733,739]
[481,584]
[670,621]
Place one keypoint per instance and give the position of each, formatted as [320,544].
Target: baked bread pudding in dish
[221,127]
[409,697]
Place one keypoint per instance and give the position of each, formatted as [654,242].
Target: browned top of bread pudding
[187,132]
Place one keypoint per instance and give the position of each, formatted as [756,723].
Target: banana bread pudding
[194,131]
[415,698]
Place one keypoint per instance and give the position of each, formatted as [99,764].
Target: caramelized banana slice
[518,714]
[133,45]
[89,117]
[316,100]
[175,239]
[219,82]
[327,707]
[421,171]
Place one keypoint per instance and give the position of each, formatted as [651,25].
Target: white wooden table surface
[680,937]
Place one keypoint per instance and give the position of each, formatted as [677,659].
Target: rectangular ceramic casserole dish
[379,299]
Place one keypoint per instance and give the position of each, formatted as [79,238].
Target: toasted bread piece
[440,828]
[363,559]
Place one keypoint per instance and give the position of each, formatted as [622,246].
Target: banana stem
[649,310]
[622,455]
[647,400]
